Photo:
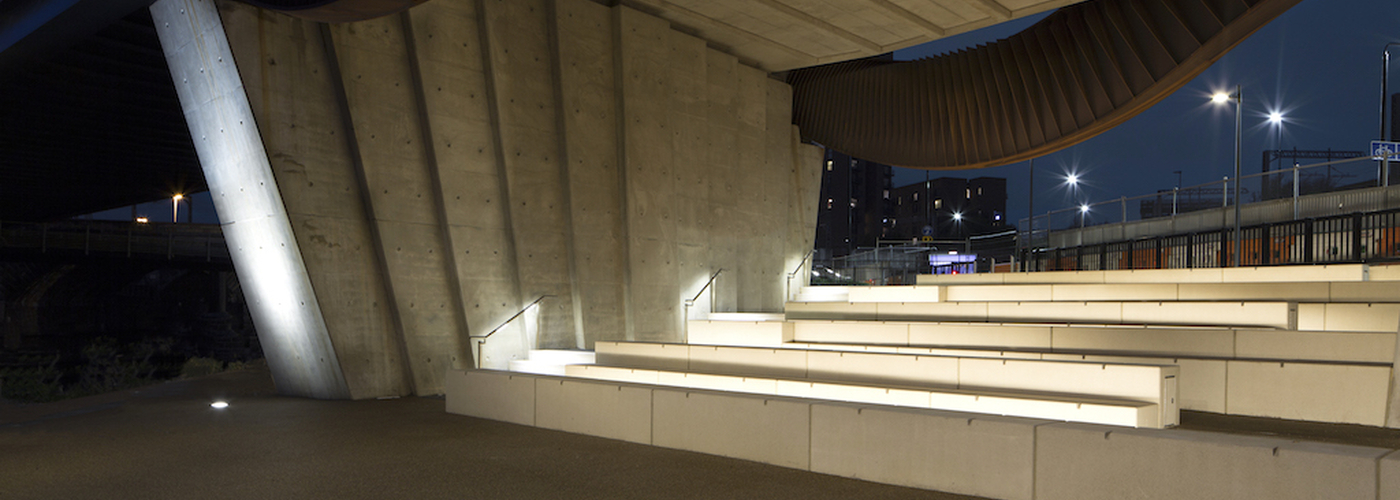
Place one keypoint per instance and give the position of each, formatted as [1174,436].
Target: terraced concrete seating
[1154,384]
[1319,376]
[1260,274]
[1006,403]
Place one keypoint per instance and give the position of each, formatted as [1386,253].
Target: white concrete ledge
[1261,274]
[730,332]
[1151,383]
[1085,462]
[956,453]
[962,339]
[1285,315]
[1007,403]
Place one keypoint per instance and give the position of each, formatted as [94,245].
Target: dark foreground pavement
[164,441]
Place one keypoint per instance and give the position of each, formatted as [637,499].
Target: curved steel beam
[336,11]
[1077,73]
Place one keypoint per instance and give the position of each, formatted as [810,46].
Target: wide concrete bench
[1137,382]
[1005,403]
[962,453]
[1256,314]
[738,332]
[1245,343]
[1257,274]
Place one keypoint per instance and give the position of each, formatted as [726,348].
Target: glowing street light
[1083,213]
[1238,97]
[957,216]
[175,207]
[218,405]
[1072,180]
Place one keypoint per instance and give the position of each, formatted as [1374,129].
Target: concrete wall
[444,167]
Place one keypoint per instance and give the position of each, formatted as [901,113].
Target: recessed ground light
[218,405]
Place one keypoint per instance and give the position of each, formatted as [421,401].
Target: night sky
[1319,63]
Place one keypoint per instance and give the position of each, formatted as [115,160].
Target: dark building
[859,207]
[855,208]
[948,208]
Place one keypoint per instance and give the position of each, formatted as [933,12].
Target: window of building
[979,191]
[887,194]
[853,203]
[828,203]
[828,165]
[938,203]
[916,196]
[969,193]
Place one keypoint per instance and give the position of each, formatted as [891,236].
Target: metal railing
[797,272]
[1295,183]
[480,340]
[1343,238]
[197,242]
[685,318]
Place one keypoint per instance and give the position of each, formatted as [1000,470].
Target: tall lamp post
[175,207]
[1385,75]
[1222,98]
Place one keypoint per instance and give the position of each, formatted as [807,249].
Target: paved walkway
[164,441]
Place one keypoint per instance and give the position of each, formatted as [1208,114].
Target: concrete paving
[164,441]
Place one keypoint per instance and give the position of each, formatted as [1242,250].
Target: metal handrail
[685,319]
[794,272]
[481,339]
[691,301]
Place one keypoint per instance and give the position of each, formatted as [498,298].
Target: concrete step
[1246,343]
[550,361]
[824,294]
[1257,274]
[1051,407]
[1136,382]
[745,316]
[1283,315]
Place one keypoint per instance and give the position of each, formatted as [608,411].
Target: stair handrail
[794,272]
[685,318]
[481,339]
[691,301]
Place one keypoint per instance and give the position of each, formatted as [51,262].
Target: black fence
[1346,238]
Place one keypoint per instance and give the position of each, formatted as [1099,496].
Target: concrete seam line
[1379,460]
[565,183]
[620,115]
[425,129]
[352,146]
[502,173]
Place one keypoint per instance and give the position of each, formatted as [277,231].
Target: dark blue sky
[1320,63]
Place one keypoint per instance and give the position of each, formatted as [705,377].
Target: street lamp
[1083,212]
[175,207]
[1385,75]
[1222,98]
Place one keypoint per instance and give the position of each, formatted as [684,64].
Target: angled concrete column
[265,253]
